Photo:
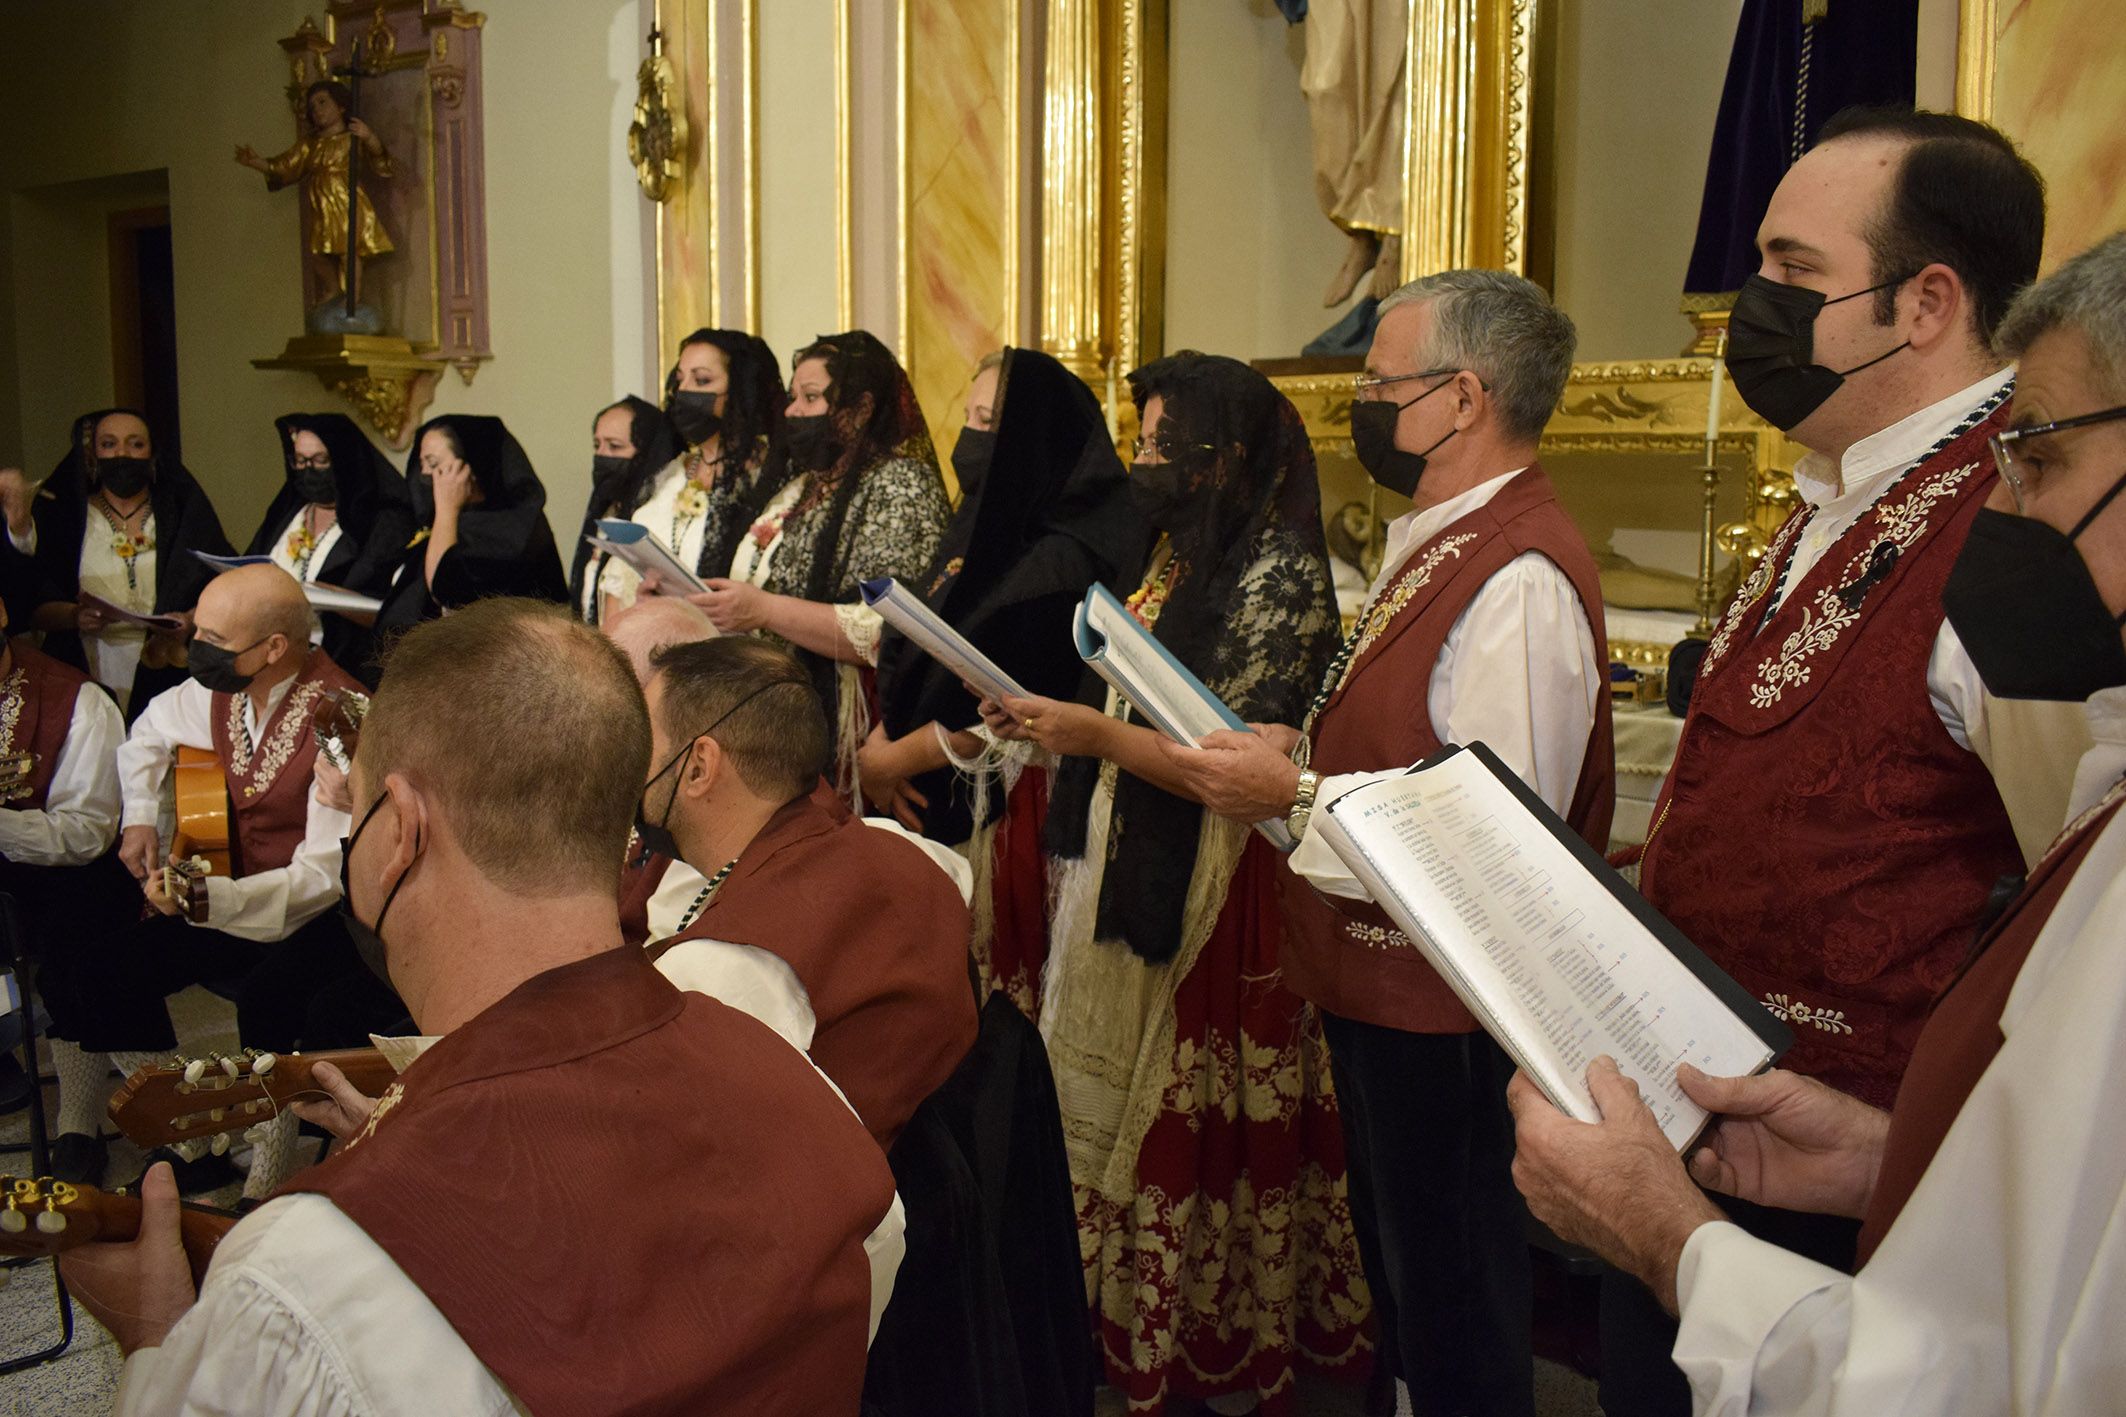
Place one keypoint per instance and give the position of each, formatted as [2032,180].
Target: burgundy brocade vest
[627,1199]
[269,781]
[1344,955]
[878,936]
[1821,836]
[36,714]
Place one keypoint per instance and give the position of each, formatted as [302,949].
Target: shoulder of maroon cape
[1782,666]
[1460,549]
[769,879]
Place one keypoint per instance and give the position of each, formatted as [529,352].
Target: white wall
[1638,90]
[1248,252]
[92,90]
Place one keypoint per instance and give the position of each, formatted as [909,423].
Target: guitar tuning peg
[49,1220]
[13,1221]
[190,1150]
[195,1070]
[255,1133]
[263,1064]
[228,1067]
[220,1145]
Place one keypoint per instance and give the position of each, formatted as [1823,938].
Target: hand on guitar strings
[138,1288]
[155,886]
[345,1110]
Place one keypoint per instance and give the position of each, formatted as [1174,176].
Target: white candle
[1114,409]
[1712,407]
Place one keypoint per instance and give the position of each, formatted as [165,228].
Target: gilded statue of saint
[318,162]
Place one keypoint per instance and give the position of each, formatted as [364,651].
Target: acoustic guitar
[193,1106]
[40,1216]
[336,723]
[202,809]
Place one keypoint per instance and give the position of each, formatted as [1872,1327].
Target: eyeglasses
[1167,448]
[1364,385]
[2020,468]
[320,463]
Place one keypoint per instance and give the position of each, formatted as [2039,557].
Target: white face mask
[2032,747]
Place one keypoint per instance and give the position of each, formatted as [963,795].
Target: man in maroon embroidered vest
[593,1193]
[1826,834]
[1484,625]
[58,822]
[255,679]
[1994,1191]
[847,939]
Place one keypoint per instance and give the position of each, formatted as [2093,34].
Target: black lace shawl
[618,495]
[185,522]
[1051,517]
[753,469]
[505,546]
[1251,612]
[881,508]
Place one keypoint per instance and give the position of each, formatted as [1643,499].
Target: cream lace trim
[257,769]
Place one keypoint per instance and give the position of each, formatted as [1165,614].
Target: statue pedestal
[384,377]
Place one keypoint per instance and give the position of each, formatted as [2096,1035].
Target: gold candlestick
[1706,532]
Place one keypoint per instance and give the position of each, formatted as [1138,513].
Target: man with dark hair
[850,940]
[1826,833]
[592,1192]
[1993,1193]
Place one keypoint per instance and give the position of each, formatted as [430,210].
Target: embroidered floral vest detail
[1836,861]
[1345,955]
[36,714]
[269,781]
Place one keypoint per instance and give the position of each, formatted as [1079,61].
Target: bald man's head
[245,608]
[653,623]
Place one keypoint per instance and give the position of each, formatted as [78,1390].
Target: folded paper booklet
[639,547]
[331,597]
[230,563]
[127,617]
[1554,953]
[1156,684]
[904,610]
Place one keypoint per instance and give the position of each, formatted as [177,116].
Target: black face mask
[2022,601]
[215,667]
[970,458]
[606,474]
[656,837]
[1161,492]
[1771,348]
[812,441]
[693,413]
[1373,439]
[368,939]
[124,477]
[315,484]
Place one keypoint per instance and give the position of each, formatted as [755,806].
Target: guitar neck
[365,1068]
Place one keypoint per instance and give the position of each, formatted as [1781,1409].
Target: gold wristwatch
[1295,821]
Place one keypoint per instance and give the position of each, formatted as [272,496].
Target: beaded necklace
[124,544]
[701,898]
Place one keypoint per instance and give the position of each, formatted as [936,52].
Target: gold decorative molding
[844,167]
[1977,28]
[749,138]
[1469,100]
[657,139]
[388,383]
[1072,129]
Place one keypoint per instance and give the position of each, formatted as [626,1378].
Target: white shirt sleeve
[269,906]
[750,980]
[1505,679]
[80,817]
[303,1315]
[2001,1287]
[182,716]
[25,543]
[1956,691]
[949,861]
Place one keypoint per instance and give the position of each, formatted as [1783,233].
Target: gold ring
[1027,721]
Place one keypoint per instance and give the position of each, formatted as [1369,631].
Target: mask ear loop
[2091,515]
